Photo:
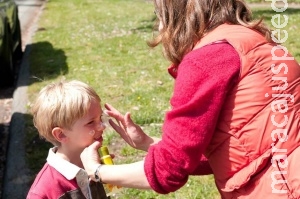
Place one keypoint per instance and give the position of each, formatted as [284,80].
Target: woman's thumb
[128,120]
[95,145]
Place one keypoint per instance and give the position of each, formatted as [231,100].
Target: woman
[234,107]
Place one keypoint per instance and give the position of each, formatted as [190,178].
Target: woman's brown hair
[184,22]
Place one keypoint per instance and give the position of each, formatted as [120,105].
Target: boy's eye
[91,122]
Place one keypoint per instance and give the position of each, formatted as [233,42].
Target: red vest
[254,152]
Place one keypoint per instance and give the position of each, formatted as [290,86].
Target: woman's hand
[90,159]
[128,130]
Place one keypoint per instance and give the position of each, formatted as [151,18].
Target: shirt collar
[69,171]
[64,167]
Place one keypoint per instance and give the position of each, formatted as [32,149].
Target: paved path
[13,106]
[29,11]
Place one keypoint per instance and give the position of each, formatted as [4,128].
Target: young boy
[67,114]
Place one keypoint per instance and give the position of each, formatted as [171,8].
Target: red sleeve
[203,78]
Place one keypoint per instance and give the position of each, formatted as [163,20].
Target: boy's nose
[101,126]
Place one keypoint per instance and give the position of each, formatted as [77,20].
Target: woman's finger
[112,112]
[116,127]
[95,145]
[128,120]
[110,109]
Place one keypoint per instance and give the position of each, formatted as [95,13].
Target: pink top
[201,83]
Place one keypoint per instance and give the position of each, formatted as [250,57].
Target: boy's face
[87,129]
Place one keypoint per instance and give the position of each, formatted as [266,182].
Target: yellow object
[105,156]
[107,160]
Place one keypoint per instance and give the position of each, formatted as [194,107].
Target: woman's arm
[204,78]
[125,175]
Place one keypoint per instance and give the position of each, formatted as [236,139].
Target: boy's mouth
[99,138]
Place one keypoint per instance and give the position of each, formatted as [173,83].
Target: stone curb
[17,175]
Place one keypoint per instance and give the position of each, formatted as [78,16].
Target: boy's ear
[58,134]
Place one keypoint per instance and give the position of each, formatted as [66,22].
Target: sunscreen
[106,159]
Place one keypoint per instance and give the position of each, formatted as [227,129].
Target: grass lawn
[103,43]
[269,1]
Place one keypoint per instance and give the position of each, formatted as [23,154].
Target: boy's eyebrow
[92,118]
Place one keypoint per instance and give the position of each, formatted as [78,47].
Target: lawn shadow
[46,62]
[43,62]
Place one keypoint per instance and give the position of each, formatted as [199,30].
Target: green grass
[292,28]
[103,43]
[269,1]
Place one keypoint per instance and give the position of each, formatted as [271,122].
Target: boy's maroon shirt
[51,182]
[202,81]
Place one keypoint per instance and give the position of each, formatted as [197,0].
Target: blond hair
[60,105]
[184,22]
